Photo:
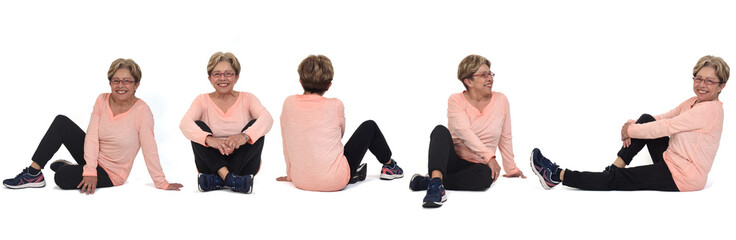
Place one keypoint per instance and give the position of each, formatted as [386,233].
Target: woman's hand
[174,186]
[88,184]
[219,144]
[517,174]
[237,140]
[625,134]
[495,168]
[627,142]
[625,131]
[283,179]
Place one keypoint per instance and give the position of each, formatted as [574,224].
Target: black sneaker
[238,183]
[209,182]
[435,194]
[610,169]
[419,182]
[544,168]
[56,165]
[26,180]
[391,171]
[360,173]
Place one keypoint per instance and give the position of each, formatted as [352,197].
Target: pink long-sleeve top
[227,123]
[112,142]
[312,127]
[477,134]
[695,133]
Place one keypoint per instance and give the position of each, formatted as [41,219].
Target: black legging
[650,177]
[64,131]
[366,137]
[244,160]
[457,173]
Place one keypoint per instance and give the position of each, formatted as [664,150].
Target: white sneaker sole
[391,177]
[27,185]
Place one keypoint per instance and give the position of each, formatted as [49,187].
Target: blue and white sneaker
[544,169]
[238,183]
[209,182]
[435,194]
[26,180]
[419,182]
[391,171]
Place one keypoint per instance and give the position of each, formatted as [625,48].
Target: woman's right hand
[219,144]
[627,142]
[88,184]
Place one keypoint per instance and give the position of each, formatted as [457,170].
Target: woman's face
[481,81]
[223,77]
[702,90]
[123,85]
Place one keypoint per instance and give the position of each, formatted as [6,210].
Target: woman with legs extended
[463,155]
[682,143]
[227,129]
[120,125]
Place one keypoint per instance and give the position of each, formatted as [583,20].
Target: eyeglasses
[485,75]
[707,81]
[221,74]
[125,81]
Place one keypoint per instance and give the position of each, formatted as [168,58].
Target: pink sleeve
[341,117]
[672,113]
[459,124]
[264,120]
[190,129]
[144,122]
[696,118]
[92,139]
[283,136]
[505,145]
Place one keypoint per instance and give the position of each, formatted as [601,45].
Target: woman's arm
[696,118]
[144,122]
[506,147]
[257,111]
[92,139]
[188,126]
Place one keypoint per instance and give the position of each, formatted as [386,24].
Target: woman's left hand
[517,174]
[237,140]
[88,184]
[174,186]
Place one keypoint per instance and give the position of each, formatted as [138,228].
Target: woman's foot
[28,178]
[547,171]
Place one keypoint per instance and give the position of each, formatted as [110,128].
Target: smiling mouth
[223,84]
[702,91]
[121,91]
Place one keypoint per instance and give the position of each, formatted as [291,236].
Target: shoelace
[21,173]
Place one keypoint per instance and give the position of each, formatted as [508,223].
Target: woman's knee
[645,118]
[61,120]
[203,126]
[369,123]
[66,178]
[440,131]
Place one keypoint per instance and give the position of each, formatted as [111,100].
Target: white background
[573,71]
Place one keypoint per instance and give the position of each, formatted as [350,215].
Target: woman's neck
[123,103]
[477,96]
[220,95]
